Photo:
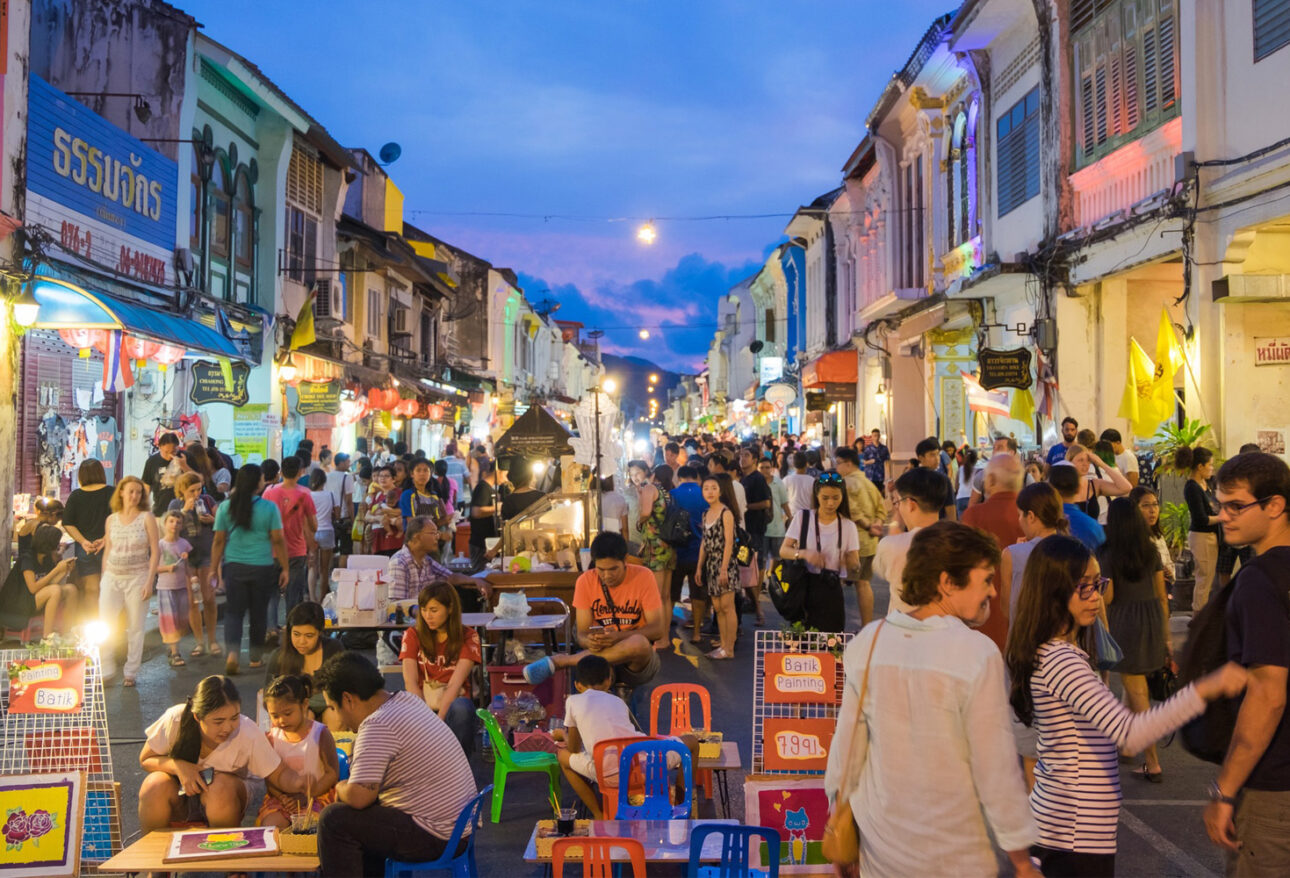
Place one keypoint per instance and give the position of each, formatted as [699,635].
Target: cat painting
[796,822]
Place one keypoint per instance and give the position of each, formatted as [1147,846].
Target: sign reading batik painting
[800,678]
[101,192]
[797,744]
[1271,351]
[1010,368]
[46,685]
[209,385]
[318,398]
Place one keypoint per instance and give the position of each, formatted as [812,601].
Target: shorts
[581,762]
[627,677]
[87,564]
[326,539]
[773,545]
[679,573]
[866,568]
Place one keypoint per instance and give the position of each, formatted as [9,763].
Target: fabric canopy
[835,367]
[67,306]
[535,434]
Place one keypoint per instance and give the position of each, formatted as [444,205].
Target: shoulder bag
[841,841]
[788,580]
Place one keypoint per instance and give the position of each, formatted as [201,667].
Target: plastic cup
[564,823]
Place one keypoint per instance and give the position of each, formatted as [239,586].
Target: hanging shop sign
[1271,351]
[770,369]
[46,685]
[322,398]
[210,386]
[797,744]
[817,402]
[102,193]
[251,432]
[1010,368]
[800,678]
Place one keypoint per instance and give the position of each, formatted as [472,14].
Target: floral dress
[714,549]
[656,554]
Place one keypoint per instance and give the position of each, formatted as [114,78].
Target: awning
[835,367]
[66,306]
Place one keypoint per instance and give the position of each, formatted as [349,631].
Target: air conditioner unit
[401,321]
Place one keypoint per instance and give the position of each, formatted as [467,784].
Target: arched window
[243,220]
[967,173]
[221,207]
[961,185]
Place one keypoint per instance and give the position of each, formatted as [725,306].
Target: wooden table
[720,767]
[665,841]
[146,855]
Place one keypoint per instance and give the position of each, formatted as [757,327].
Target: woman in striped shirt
[1050,655]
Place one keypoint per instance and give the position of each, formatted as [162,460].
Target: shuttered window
[1271,26]
[1018,153]
[1126,70]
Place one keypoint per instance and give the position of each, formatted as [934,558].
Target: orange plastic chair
[609,792]
[682,719]
[597,856]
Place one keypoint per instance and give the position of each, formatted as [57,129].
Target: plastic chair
[658,781]
[608,790]
[597,856]
[506,760]
[681,719]
[461,865]
[736,846]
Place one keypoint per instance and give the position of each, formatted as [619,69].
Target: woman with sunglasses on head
[831,550]
[1080,723]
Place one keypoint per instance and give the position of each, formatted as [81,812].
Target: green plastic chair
[506,760]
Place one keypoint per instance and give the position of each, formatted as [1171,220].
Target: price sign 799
[795,744]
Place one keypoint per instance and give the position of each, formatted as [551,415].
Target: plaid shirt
[406,578]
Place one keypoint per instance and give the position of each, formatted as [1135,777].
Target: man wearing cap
[341,484]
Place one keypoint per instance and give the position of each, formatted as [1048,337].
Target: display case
[552,530]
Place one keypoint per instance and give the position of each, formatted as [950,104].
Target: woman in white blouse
[938,776]
[1080,722]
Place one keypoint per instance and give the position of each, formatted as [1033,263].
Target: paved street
[1160,829]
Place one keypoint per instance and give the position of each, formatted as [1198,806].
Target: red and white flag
[991,402]
[117,375]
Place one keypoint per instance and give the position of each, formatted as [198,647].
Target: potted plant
[1168,439]
[1175,522]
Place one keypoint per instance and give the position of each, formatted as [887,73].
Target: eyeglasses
[1150,504]
[1233,509]
[1088,588]
[829,479]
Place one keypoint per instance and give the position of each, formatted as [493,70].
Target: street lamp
[644,333]
[287,370]
[25,308]
[653,378]
[646,233]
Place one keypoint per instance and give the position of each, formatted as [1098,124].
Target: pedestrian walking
[327,516]
[197,525]
[831,551]
[655,554]
[249,555]
[173,586]
[299,525]
[1081,725]
[922,752]
[84,520]
[130,559]
[1204,531]
[1148,503]
[717,569]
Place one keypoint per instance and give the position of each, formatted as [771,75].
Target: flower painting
[40,816]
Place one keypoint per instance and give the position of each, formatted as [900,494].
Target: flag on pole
[1047,403]
[303,334]
[1138,403]
[990,402]
[1023,407]
[226,371]
[1169,359]
[116,365]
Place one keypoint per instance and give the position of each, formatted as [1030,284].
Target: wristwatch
[1216,794]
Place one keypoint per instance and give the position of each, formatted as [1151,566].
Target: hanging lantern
[166,354]
[138,348]
[407,408]
[436,412]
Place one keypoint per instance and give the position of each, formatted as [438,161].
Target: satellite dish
[756,346]
[390,153]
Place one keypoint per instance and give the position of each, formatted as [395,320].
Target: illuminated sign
[772,369]
[101,192]
[800,678]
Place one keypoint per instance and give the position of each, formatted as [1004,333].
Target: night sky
[588,118]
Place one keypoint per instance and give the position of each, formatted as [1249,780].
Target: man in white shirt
[1125,460]
[799,484]
[919,494]
[341,485]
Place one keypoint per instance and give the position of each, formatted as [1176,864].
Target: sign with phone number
[796,744]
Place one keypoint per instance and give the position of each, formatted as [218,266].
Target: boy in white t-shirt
[593,715]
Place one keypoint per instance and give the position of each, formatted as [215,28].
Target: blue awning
[66,306]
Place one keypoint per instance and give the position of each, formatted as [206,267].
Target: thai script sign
[319,398]
[1010,368]
[209,385]
[1271,351]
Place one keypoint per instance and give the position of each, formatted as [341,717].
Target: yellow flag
[226,371]
[303,334]
[1138,403]
[1169,358]
[1023,406]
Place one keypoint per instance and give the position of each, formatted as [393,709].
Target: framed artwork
[222,844]
[41,818]
[798,808]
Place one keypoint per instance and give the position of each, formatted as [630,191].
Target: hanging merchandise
[584,444]
[52,435]
[104,444]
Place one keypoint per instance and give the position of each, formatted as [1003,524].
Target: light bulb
[25,309]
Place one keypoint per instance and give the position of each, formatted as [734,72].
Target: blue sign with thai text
[85,163]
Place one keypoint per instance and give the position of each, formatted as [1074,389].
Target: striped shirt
[416,760]
[1076,799]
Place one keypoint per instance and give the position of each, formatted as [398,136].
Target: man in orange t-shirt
[618,613]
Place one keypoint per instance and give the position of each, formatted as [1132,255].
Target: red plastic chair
[682,719]
[608,791]
[597,856]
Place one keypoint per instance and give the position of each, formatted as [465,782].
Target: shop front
[829,390]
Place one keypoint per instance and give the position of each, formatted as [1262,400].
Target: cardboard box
[362,601]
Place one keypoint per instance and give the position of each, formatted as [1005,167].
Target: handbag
[787,583]
[841,841]
[1109,653]
[1162,683]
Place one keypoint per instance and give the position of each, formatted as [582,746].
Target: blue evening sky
[600,111]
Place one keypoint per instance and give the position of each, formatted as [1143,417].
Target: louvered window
[1126,70]
[1271,26]
[305,181]
[1018,153]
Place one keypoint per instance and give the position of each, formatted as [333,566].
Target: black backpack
[676,529]
[1208,735]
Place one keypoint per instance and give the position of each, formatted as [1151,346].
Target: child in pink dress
[305,745]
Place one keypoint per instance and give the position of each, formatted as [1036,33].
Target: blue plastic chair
[461,865]
[736,845]
[344,763]
[658,801]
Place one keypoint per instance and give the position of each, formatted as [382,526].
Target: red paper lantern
[168,354]
[436,412]
[406,408]
[139,348]
[385,400]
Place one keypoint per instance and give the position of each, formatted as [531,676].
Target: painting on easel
[41,818]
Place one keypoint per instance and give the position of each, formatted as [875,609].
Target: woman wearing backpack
[831,549]
[1080,723]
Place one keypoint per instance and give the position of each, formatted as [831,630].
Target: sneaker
[539,671]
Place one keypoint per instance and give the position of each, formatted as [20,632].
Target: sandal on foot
[230,667]
[255,666]
[176,660]
[128,683]
[215,649]
[719,653]
[1151,776]
[197,651]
